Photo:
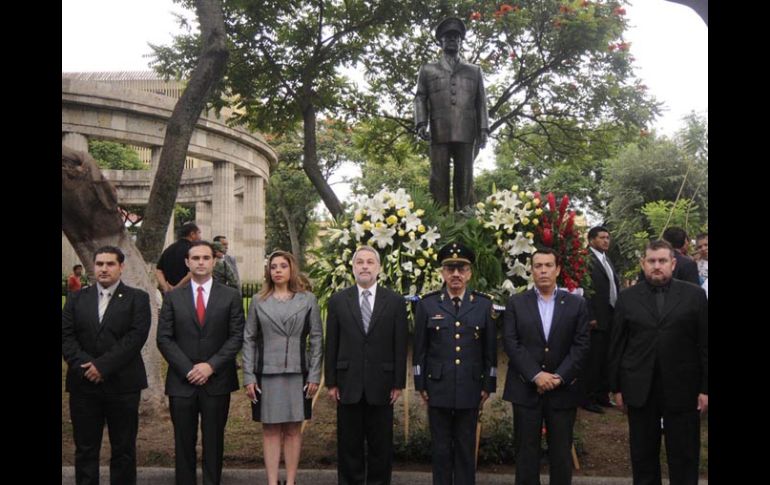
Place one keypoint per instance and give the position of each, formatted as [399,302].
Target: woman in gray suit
[280,371]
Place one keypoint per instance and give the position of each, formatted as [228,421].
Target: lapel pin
[120,295]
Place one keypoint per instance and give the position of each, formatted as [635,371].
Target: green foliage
[662,214]
[115,156]
[658,169]
[496,444]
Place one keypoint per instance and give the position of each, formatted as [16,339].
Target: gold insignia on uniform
[476,334]
[471,297]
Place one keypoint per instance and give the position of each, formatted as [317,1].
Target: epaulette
[430,293]
[485,295]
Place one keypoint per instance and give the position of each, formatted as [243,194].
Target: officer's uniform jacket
[455,100]
[455,354]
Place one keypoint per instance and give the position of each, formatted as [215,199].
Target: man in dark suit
[104,328]
[545,332]
[455,365]
[601,303]
[450,95]
[200,331]
[659,368]
[365,371]
[686,268]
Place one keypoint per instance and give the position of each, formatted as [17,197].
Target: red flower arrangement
[558,231]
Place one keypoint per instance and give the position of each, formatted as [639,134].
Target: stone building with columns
[226,181]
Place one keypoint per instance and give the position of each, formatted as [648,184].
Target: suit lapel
[355,308]
[114,305]
[91,302]
[379,306]
[467,303]
[445,302]
[672,300]
[648,302]
[296,305]
[532,305]
[189,303]
[558,311]
[266,309]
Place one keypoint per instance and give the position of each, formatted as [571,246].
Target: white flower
[358,230]
[521,244]
[519,269]
[407,266]
[411,222]
[413,245]
[376,207]
[431,236]
[401,198]
[507,286]
[383,236]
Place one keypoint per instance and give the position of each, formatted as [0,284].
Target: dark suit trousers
[213,412]
[682,434]
[364,443]
[89,412]
[453,433]
[597,380]
[462,155]
[527,425]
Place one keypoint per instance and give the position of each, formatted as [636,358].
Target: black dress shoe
[593,407]
[605,404]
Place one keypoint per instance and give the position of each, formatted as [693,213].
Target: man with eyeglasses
[455,364]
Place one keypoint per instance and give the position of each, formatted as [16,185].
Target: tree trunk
[310,163]
[90,219]
[296,247]
[209,71]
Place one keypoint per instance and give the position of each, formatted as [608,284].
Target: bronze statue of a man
[450,93]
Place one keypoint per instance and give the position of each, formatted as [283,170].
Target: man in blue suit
[546,337]
[455,365]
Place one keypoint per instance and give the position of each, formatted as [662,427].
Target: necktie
[613,288]
[200,308]
[456,301]
[104,300]
[366,310]
[660,296]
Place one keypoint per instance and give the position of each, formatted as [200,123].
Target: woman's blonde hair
[295,285]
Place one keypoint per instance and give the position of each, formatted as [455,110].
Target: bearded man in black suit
[659,368]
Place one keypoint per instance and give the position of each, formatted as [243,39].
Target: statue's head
[449,34]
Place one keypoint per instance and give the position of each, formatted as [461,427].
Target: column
[253,241]
[203,218]
[223,200]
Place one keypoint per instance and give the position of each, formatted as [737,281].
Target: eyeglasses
[459,269]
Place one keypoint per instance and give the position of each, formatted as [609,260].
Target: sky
[669,42]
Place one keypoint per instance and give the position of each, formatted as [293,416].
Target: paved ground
[165,476]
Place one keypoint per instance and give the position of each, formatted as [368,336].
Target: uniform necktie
[200,308]
[613,288]
[456,301]
[366,310]
[104,300]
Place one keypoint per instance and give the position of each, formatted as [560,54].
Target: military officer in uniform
[455,359]
[450,110]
